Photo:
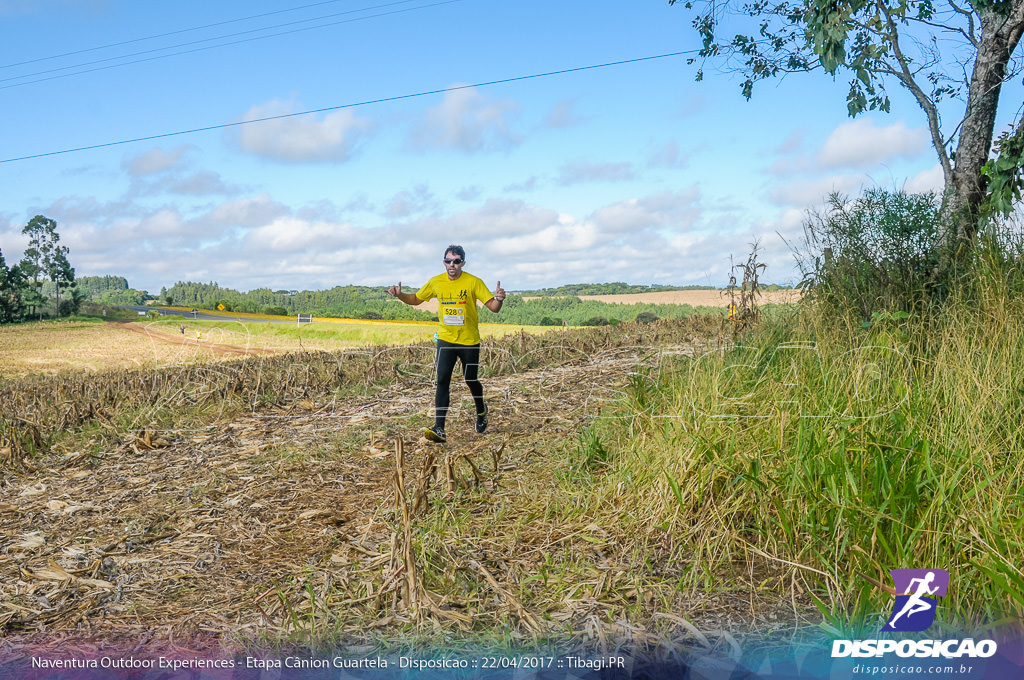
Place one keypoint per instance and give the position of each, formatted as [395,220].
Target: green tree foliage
[646,317]
[97,286]
[353,302]
[872,254]
[45,258]
[12,289]
[936,50]
[362,302]
[73,302]
[61,274]
[33,261]
[1005,175]
[614,288]
[109,290]
[576,312]
[595,321]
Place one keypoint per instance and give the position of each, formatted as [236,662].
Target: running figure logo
[914,609]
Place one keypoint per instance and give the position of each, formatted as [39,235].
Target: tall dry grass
[828,452]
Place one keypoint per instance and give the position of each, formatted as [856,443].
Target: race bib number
[454,316]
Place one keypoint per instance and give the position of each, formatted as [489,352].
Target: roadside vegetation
[875,427]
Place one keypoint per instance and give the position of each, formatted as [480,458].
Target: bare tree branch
[931,112]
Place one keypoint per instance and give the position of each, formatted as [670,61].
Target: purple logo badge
[916,592]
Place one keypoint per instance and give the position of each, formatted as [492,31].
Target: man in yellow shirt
[458,337]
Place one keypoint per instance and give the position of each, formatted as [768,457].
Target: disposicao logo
[914,609]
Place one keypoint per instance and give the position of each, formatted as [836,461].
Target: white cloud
[292,235]
[159,171]
[931,179]
[562,115]
[803,193]
[302,138]
[408,202]
[166,224]
[669,209]
[793,142]
[668,155]
[465,120]
[247,212]
[469,193]
[576,173]
[86,208]
[12,242]
[560,238]
[157,233]
[501,218]
[860,144]
[154,161]
[526,185]
[257,241]
[203,183]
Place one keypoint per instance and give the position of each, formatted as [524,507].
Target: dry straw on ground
[51,348]
[290,512]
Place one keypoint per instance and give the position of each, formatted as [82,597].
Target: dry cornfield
[288,498]
[50,348]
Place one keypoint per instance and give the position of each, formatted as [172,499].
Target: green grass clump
[833,451]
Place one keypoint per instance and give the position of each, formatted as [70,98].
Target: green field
[324,332]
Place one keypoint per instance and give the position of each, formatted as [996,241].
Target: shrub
[646,317]
[872,254]
[595,321]
[274,310]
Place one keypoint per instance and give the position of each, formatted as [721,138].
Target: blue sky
[623,173]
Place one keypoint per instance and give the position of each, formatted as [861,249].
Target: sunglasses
[457,260]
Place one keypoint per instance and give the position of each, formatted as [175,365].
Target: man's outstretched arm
[494,304]
[407,298]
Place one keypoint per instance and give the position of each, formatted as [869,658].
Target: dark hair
[456,250]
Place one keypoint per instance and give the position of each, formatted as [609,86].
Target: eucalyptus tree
[12,289]
[44,256]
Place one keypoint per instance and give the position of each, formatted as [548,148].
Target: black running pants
[447,354]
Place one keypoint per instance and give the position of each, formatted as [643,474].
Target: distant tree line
[43,282]
[572,311]
[111,290]
[614,288]
[364,302]
[350,302]
[620,288]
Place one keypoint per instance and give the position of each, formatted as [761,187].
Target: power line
[170,33]
[210,47]
[455,88]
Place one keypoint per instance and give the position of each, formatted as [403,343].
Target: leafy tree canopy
[940,51]
[45,257]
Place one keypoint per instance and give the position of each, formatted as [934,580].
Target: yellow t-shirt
[456,309]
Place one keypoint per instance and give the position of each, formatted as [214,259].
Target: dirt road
[287,516]
[190,340]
